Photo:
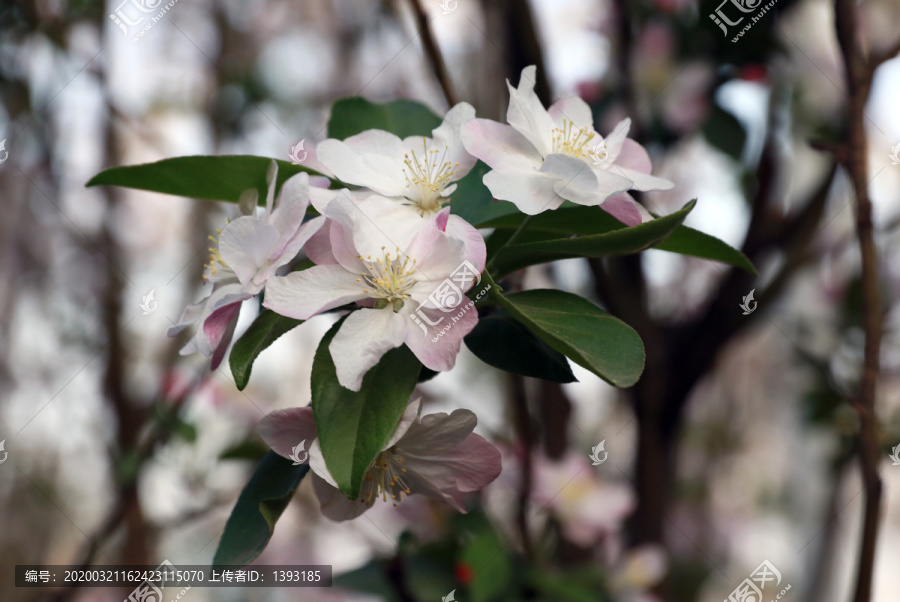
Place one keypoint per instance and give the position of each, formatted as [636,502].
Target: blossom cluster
[387,248]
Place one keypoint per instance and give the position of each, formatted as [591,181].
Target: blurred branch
[522,419]
[433,52]
[859,74]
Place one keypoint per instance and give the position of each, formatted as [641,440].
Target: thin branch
[859,81]
[433,52]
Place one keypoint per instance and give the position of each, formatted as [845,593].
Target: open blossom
[417,172]
[545,157]
[362,263]
[246,254]
[436,455]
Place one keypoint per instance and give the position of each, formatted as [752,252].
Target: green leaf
[505,343]
[264,331]
[569,220]
[351,116]
[583,332]
[622,241]
[355,426]
[219,178]
[259,506]
[688,241]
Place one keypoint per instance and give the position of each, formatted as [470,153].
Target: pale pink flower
[543,158]
[436,455]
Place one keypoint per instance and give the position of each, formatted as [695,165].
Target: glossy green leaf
[351,116]
[505,343]
[355,426]
[581,331]
[259,506]
[688,241]
[622,241]
[264,331]
[573,220]
[218,178]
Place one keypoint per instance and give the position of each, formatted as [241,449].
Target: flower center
[389,278]
[385,479]
[599,154]
[570,141]
[216,263]
[427,175]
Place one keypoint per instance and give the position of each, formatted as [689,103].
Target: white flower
[361,263]
[437,455]
[543,158]
[417,171]
[246,254]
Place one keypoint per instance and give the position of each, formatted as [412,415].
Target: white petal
[530,190]
[271,180]
[572,109]
[410,415]
[303,294]
[373,159]
[500,145]
[246,245]
[317,464]
[364,337]
[617,138]
[448,134]
[292,203]
[527,114]
[335,505]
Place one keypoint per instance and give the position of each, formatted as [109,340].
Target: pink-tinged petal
[320,197]
[289,248]
[312,162]
[529,190]
[499,145]
[373,159]
[527,114]
[572,109]
[402,219]
[293,201]
[409,418]
[318,466]
[475,249]
[301,295]
[318,247]
[364,337]
[616,140]
[633,156]
[575,180]
[439,348]
[438,434]
[283,430]
[218,329]
[334,504]
[623,208]
[191,314]
[643,181]
[246,245]
[369,239]
[447,135]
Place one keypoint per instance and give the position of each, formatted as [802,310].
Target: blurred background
[737,446]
